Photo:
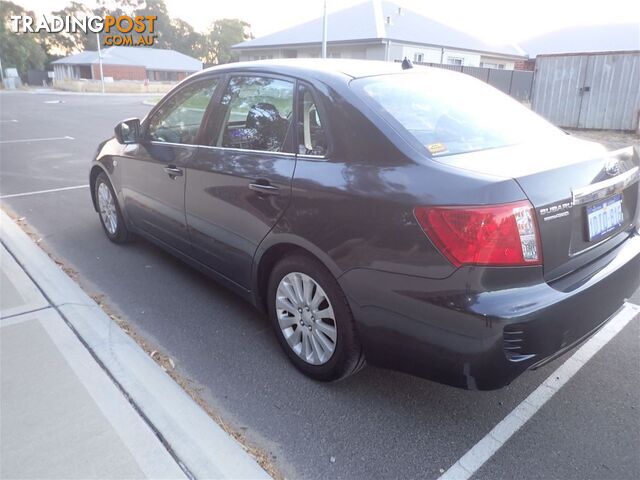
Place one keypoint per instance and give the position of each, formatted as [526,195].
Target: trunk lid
[585,198]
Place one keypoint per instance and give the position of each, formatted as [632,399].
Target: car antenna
[406,64]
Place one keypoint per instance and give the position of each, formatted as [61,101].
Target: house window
[418,57]
[455,60]
[492,65]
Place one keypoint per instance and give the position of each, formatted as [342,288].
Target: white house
[380,30]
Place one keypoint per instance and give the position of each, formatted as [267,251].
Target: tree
[32,50]
[67,43]
[164,30]
[216,44]
[175,34]
[185,38]
[18,50]
[115,8]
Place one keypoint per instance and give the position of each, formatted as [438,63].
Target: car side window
[312,139]
[178,119]
[258,113]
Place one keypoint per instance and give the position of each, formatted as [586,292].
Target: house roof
[368,21]
[150,58]
[588,38]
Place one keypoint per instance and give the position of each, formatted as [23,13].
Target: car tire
[322,356]
[109,212]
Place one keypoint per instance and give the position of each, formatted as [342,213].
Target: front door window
[178,119]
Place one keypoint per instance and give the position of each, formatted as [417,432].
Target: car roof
[314,67]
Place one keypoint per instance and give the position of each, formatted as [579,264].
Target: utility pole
[100,60]
[324,31]
[1,74]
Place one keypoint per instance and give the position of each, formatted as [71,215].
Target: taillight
[499,235]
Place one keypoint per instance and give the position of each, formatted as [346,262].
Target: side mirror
[128,131]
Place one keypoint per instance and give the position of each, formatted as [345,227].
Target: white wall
[354,52]
[429,54]
[508,64]
[433,55]
[376,52]
[64,72]
[397,51]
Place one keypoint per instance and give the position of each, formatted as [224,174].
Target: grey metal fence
[599,91]
[517,83]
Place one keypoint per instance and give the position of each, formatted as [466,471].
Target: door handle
[173,171]
[264,188]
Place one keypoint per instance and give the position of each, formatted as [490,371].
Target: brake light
[498,235]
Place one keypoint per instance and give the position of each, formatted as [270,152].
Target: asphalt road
[376,424]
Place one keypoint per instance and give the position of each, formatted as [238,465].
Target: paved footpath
[79,399]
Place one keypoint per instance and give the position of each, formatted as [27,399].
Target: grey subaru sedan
[414,219]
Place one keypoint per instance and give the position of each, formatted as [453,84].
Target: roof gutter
[359,41]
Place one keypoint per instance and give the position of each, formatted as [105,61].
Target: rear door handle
[173,171]
[264,188]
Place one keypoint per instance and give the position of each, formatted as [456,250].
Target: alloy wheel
[107,208]
[306,318]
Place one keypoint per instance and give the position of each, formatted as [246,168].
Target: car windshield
[450,113]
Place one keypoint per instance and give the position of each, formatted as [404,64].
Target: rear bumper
[470,331]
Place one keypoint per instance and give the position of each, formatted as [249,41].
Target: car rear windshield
[450,113]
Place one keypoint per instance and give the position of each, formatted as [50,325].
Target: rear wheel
[312,319]
[110,215]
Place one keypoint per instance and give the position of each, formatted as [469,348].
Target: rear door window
[311,137]
[258,114]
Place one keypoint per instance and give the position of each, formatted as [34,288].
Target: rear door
[239,183]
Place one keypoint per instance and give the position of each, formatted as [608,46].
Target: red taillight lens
[499,235]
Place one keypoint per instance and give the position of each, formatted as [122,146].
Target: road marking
[37,139]
[482,451]
[38,192]
[9,121]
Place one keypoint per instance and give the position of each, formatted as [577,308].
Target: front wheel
[110,215]
[312,319]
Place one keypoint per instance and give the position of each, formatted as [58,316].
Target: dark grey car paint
[153,199]
[227,220]
[353,210]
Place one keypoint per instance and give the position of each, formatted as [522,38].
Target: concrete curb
[202,448]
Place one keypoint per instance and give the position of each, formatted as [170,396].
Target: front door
[239,183]
[154,172]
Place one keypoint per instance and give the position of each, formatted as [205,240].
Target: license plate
[604,217]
